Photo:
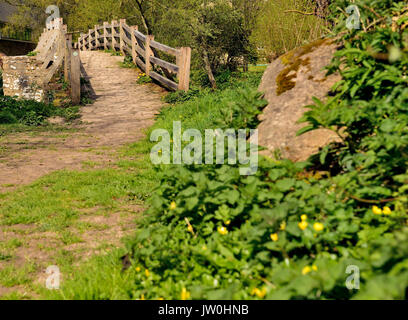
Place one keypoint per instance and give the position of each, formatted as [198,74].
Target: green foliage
[32,54]
[113,52]
[142,78]
[243,112]
[217,31]
[278,31]
[27,112]
[128,63]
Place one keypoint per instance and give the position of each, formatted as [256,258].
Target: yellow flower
[173,206]
[142,297]
[306,270]
[314,268]
[303,217]
[138,269]
[274,237]
[204,248]
[147,273]
[303,225]
[283,226]
[185,295]
[222,230]
[160,299]
[387,211]
[259,293]
[377,210]
[190,229]
[318,226]
[228,222]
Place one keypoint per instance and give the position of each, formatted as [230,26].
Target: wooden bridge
[56,49]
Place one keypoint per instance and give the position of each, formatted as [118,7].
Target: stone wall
[22,78]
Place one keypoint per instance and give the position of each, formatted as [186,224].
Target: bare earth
[121,112]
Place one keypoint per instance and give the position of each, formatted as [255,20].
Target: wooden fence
[54,49]
[144,51]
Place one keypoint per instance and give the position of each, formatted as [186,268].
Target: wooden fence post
[97,42]
[67,60]
[134,43]
[105,36]
[75,76]
[184,62]
[90,40]
[122,35]
[149,53]
[114,22]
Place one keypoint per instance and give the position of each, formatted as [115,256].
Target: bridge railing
[145,52]
[55,48]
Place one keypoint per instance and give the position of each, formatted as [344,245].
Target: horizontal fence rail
[145,52]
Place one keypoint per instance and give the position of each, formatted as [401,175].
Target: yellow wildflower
[318,226]
[387,211]
[228,222]
[204,248]
[173,206]
[377,210]
[303,225]
[306,270]
[259,293]
[314,268]
[274,237]
[222,230]
[283,226]
[160,299]
[147,273]
[303,217]
[142,297]
[138,269]
[185,295]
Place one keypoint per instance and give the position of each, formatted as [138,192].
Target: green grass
[11,276]
[56,202]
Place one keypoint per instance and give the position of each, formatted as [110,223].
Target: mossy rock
[290,82]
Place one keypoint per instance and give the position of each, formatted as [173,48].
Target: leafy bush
[291,232]
[28,112]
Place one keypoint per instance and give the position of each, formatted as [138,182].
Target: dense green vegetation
[292,230]
[32,113]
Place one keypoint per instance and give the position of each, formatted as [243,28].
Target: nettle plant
[293,230]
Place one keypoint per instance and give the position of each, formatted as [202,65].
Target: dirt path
[119,115]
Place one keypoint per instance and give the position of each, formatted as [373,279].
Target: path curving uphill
[121,112]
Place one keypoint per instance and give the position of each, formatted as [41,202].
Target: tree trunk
[145,22]
[207,66]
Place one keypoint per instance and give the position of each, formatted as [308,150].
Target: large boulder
[290,83]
